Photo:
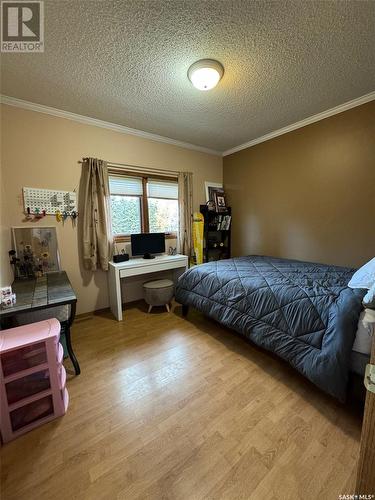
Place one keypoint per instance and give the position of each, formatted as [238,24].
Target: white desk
[135,267]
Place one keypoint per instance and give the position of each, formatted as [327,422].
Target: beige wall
[5,271]
[42,151]
[308,194]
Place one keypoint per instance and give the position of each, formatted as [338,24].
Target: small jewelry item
[65,215]
[58,215]
[73,216]
[37,214]
[28,215]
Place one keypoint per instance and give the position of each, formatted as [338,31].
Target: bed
[304,312]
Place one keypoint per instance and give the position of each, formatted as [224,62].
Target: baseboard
[98,312]
[91,314]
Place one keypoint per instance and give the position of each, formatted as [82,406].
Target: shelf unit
[217,242]
[32,378]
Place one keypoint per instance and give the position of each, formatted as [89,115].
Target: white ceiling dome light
[205,74]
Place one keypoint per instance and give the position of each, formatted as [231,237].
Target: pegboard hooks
[62,216]
[41,202]
[38,214]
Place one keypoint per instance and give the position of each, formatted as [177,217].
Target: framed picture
[221,205]
[210,188]
[36,251]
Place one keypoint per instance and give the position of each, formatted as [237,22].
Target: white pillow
[365,332]
[369,298]
[364,277]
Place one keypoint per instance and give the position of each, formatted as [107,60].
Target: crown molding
[40,108]
[307,121]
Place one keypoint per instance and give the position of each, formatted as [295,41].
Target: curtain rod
[139,167]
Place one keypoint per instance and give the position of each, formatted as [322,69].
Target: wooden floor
[168,408]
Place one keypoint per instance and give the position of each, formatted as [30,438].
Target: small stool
[158,293]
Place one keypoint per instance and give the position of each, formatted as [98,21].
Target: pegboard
[49,200]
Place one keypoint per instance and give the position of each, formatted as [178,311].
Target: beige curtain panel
[95,219]
[185,206]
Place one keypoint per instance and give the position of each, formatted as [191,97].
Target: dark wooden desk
[52,290]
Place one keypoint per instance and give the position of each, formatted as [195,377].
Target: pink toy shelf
[32,378]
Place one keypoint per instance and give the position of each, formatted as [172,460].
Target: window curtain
[185,207]
[95,219]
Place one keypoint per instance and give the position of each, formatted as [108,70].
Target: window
[126,206]
[162,198]
[143,204]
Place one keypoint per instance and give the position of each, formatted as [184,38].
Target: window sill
[126,238]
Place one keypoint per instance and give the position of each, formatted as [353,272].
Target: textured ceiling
[126,62]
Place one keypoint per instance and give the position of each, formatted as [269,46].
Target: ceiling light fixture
[205,74]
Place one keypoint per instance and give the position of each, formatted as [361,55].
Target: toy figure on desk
[22,268]
[7,297]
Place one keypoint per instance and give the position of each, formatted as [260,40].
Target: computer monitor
[147,244]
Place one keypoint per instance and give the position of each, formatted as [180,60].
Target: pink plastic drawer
[65,396]
[60,353]
[26,415]
[23,358]
[27,386]
[62,377]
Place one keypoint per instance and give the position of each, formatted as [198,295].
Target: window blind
[157,188]
[130,186]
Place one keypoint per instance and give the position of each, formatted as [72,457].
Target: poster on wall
[36,251]
[211,188]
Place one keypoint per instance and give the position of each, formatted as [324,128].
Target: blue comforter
[302,311]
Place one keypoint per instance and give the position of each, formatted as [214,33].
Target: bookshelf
[217,234]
